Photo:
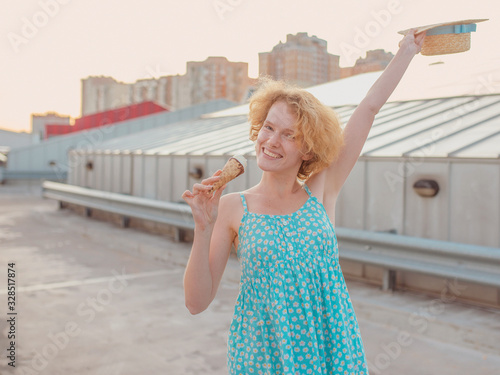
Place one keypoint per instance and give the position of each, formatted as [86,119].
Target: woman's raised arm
[359,124]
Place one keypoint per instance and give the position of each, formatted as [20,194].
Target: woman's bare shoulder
[231,208]
[230,198]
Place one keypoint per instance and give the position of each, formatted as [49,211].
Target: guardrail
[176,214]
[477,264]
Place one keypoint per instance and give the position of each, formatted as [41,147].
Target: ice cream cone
[234,167]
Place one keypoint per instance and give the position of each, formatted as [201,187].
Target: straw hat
[447,37]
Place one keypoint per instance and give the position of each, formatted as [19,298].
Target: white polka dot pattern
[293,314]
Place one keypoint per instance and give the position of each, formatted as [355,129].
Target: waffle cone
[231,170]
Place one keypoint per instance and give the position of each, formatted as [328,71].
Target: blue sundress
[293,314]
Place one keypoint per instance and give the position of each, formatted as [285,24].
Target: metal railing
[177,215]
[472,263]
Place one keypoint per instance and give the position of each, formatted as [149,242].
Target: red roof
[105,118]
[57,129]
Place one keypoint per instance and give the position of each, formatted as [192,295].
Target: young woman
[293,314]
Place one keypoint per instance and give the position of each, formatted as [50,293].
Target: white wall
[379,196]
[475,197]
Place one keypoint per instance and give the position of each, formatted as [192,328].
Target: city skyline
[301,60]
[49,45]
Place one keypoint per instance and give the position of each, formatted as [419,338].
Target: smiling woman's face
[275,147]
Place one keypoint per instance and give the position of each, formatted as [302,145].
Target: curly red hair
[318,130]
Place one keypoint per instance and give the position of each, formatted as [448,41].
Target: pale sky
[48,46]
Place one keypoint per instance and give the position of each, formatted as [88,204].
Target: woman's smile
[271,154]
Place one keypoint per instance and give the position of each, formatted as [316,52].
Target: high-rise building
[102,93]
[217,78]
[302,60]
[177,92]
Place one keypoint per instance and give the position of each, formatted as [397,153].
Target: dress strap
[244,201]
[306,188]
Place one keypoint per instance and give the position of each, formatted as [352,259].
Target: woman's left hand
[412,42]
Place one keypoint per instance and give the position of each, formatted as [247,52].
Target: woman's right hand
[413,41]
[204,204]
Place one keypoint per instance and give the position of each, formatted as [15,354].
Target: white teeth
[271,154]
